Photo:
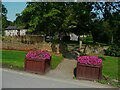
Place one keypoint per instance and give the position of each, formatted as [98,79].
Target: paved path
[64,70]
[15,79]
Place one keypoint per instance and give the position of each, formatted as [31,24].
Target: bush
[88,40]
[81,53]
[78,52]
[113,51]
[66,38]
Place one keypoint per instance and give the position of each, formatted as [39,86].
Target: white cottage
[13,31]
[73,37]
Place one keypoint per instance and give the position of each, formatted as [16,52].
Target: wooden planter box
[37,66]
[88,72]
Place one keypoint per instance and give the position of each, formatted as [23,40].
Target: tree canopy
[5,22]
[101,19]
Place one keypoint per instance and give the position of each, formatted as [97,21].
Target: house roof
[11,28]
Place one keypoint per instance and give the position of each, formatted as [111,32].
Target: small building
[14,31]
[73,37]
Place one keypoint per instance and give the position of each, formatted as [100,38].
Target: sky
[13,8]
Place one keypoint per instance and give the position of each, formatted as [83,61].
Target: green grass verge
[110,70]
[110,67]
[56,60]
[15,59]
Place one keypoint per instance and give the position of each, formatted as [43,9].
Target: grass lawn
[110,67]
[15,59]
[56,60]
[110,70]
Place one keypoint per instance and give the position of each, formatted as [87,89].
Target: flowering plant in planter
[38,61]
[89,68]
[89,60]
[38,55]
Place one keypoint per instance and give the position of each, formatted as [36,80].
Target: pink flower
[89,60]
[38,55]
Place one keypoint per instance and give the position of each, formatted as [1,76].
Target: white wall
[15,32]
[23,32]
[73,37]
[11,32]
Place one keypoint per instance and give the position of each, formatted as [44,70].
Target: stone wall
[26,47]
[15,44]
[93,49]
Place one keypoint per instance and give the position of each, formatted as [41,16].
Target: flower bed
[89,67]
[37,61]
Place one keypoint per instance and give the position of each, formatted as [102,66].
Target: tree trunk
[112,40]
[83,36]
[80,42]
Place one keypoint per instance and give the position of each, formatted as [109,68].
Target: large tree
[98,18]
[5,22]
[105,21]
[52,17]
[4,18]
[48,17]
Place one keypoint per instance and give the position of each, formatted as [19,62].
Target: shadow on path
[74,72]
[63,48]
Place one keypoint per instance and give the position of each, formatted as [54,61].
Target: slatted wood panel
[39,67]
[88,72]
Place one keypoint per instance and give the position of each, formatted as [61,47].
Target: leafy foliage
[4,10]
[106,21]
[101,19]
[113,51]
[5,22]
[55,17]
